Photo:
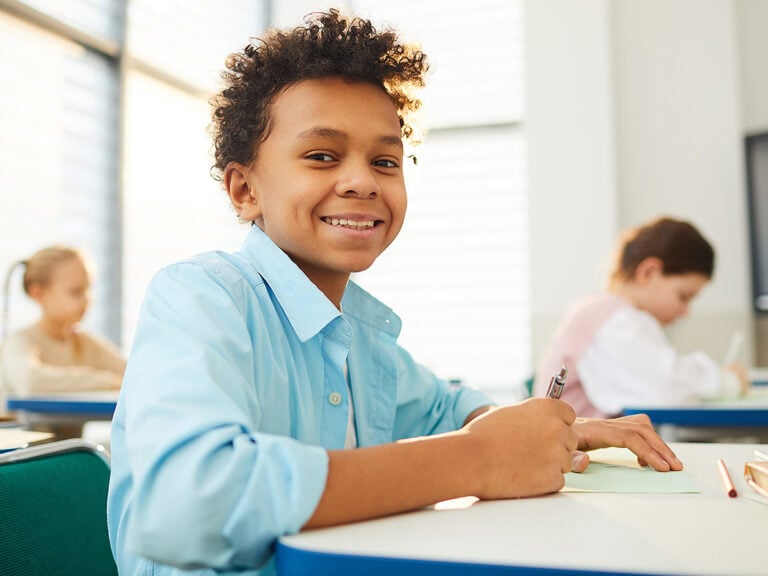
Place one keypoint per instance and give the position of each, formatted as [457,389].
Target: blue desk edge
[61,406]
[730,417]
[292,561]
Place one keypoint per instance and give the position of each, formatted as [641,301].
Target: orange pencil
[730,489]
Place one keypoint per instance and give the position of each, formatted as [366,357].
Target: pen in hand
[555,389]
[557,383]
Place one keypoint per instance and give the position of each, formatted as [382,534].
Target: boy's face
[327,184]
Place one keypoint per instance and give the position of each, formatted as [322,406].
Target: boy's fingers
[580,461]
[653,452]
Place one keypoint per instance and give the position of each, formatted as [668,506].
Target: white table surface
[704,533]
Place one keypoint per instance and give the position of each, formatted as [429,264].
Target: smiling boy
[265,391]
[327,184]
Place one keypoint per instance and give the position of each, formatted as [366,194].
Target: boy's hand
[523,450]
[634,432]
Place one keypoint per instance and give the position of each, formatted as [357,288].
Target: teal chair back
[53,519]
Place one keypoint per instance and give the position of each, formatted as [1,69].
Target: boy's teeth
[345,222]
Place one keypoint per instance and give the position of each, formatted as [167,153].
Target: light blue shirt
[235,388]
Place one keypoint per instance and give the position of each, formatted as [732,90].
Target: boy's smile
[326,185]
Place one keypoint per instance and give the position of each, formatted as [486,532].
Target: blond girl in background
[614,342]
[54,354]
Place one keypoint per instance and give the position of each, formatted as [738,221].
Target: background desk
[712,420]
[566,533]
[94,405]
[15,438]
[70,415]
[70,407]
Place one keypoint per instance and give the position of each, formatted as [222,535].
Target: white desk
[15,438]
[700,534]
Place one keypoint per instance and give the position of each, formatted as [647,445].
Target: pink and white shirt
[618,355]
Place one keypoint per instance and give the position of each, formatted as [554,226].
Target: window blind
[458,273]
[173,209]
[189,39]
[102,19]
[58,160]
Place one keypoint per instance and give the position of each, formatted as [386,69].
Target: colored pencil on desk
[730,489]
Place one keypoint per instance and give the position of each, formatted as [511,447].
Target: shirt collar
[361,305]
[307,308]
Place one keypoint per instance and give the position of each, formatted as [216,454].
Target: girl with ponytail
[54,354]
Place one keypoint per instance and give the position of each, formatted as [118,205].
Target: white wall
[680,143]
[752,26]
[570,132]
[752,22]
[648,93]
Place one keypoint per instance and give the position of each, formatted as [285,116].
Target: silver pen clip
[557,382]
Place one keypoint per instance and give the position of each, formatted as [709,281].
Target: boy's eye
[320,157]
[384,163]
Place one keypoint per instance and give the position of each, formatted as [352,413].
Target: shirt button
[334,398]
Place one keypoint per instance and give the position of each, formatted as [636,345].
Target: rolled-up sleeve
[208,488]
[430,405]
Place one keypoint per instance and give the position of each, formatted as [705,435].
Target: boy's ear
[241,195]
[648,269]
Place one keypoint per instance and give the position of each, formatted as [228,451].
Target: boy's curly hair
[328,45]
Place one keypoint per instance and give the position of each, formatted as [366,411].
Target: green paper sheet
[617,470]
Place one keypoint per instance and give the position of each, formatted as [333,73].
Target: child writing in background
[265,391]
[53,354]
[614,342]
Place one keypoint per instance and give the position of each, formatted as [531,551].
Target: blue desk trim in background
[732,417]
[58,406]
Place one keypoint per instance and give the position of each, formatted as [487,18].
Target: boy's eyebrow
[323,132]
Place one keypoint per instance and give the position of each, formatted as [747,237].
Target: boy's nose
[358,181]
